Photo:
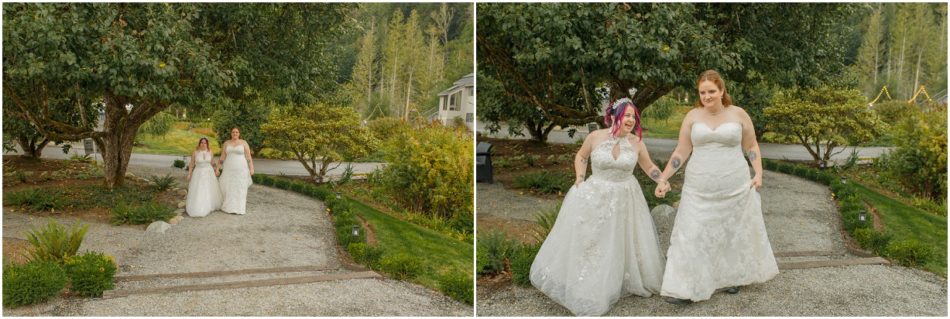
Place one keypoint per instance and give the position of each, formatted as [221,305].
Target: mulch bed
[15,250]
[70,185]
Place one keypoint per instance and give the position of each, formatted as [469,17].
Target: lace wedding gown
[603,245]
[204,196]
[718,238]
[235,180]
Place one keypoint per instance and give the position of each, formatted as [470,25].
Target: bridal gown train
[204,196]
[603,245]
[718,238]
[235,180]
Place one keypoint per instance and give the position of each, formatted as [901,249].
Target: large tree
[140,59]
[652,48]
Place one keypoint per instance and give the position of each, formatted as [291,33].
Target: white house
[458,101]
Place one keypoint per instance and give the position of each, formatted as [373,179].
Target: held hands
[661,188]
[757,181]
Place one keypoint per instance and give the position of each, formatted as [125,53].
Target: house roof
[467,80]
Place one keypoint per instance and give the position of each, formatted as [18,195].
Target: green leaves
[318,133]
[823,118]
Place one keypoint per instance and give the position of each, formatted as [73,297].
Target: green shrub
[35,199]
[22,176]
[872,240]
[90,274]
[545,182]
[401,266]
[800,171]
[909,252]
[76,158]
[481,257]
[90,172]
[385,128]
[34,282]
[146,213]
[343,222]
[919,161]
[179,163]
[893,111]
[163,183]
[54,242]
[281,183]
[530,159]
[365,254]
[347,174]
[521,261]
[497,248]
[545,219]
[863,236]
[430,171]
[458,286]
[158,125]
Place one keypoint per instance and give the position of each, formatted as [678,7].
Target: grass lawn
[669,128]
[437,252]
[179,141]
[908,222]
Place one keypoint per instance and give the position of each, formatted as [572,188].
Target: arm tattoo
[676,163]
[752,156]
[655,174]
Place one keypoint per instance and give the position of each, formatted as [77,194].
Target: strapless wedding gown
[235,180]
[718,238]
[204,195]
[603,245]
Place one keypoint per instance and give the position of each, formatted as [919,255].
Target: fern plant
[54,242]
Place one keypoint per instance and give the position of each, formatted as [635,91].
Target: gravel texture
[834,291]
[280,229]
[497,201]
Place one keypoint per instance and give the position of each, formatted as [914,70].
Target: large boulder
[663,217]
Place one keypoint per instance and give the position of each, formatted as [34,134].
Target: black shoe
[733,290]
[677,301]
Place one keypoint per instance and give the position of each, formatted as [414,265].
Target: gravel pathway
[837,291]
[799,216]
[280,229]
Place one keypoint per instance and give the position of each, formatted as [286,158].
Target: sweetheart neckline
[718,126]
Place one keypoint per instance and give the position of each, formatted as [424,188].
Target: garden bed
[72,188]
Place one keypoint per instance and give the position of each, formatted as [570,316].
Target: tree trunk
[308,166]
[30,146]
[920,52]
[116,152]
[408,93]
[900,66]
[324,164]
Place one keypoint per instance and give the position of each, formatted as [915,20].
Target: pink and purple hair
[614,114]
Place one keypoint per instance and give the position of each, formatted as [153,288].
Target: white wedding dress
[718,238]
[603,245]
[235,180]
[204,196]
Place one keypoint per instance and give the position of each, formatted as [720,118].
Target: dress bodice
[203,159]
[235,150]
[605,166]
[727,135]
